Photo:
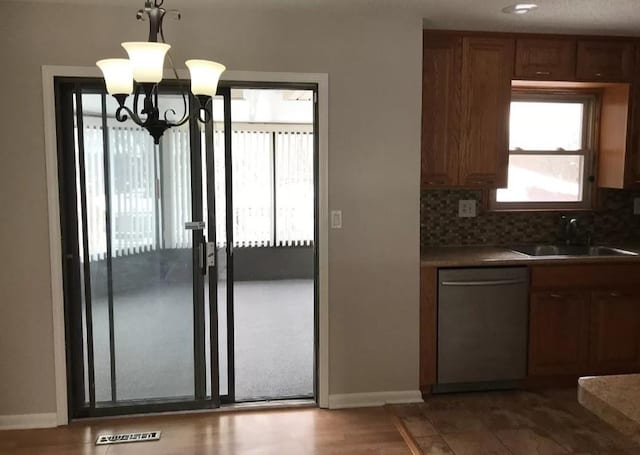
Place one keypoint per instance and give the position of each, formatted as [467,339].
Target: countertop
[615,399]
[473,256]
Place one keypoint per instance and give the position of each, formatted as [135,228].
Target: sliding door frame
[224,90]
[56,257]
[75,279]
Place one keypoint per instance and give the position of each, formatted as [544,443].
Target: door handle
[482,283]
[202,255]
[206,255]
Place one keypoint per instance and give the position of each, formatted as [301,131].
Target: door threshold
[263,405]
[269,404]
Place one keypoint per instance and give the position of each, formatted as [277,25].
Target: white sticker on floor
[128,437]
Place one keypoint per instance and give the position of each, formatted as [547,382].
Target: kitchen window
[551,152]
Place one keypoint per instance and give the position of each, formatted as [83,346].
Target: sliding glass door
[189,267]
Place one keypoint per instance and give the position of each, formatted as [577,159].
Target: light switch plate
[467,208]
[336,219]
[636,206]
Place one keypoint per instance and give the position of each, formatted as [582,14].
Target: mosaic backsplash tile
[441,226]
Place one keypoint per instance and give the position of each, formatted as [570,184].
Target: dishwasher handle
[483,283]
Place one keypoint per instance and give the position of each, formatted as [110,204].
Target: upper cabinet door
[441,86]
[608,61]
[487,68]
[632,158]
[546,59]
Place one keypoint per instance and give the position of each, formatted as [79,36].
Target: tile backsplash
[440,225]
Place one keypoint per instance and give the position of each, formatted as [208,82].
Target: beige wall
[373,61]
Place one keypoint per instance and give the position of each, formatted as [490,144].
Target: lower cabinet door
[558,333]
[615,332]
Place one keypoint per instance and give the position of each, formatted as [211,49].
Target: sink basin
[571,250]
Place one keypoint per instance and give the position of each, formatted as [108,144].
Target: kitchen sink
[571,250]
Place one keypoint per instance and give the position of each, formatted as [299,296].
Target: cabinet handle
[614,294]
[598,74]
[555,295]
[543,73]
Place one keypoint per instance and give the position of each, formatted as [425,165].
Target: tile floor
[511,423]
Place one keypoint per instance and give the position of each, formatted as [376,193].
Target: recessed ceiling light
[519,8]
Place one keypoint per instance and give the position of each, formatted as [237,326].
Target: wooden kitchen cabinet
[545,59]
[605,60]
[441,97]
[558,333]
[629,164]
[584,319]
[466,95]
[487,67]
[615,331]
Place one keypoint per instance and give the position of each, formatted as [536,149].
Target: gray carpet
[154,341]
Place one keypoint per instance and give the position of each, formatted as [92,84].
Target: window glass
[536,125]
[543,178]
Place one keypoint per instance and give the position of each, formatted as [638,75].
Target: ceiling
[579,16]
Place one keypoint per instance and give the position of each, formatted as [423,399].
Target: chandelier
[142,72]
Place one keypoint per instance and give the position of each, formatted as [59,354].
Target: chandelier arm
[182,121]
[179,122]
[123,113]
[136,97]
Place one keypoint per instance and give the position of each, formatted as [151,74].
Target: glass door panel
[273,242]
[132,274]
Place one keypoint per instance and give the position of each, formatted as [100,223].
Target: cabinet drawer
[585,275]
[547,59]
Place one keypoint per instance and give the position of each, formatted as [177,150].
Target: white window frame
[591,102]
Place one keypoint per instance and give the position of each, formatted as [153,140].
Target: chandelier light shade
[142,72]
[118,75]
[204,76]
[147,60]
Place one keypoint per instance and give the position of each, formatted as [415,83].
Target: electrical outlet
[636,206]
[467,208]
[336,219]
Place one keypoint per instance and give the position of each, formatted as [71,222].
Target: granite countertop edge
[470,256]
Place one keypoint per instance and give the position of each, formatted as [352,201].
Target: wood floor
[511,423]
[491,423]
[280,432]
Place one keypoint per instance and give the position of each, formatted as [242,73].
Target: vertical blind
[151,199]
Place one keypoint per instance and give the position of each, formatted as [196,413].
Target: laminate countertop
[474,256]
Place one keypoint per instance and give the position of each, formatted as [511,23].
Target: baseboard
[28,421]
[362,400]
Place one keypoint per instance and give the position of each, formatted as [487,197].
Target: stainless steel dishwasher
[482,328]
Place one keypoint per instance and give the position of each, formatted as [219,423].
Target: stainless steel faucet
[569,229]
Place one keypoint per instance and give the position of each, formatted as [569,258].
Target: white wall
[374,64]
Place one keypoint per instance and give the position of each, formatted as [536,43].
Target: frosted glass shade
[147,60]
[118,75]
[204,76]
